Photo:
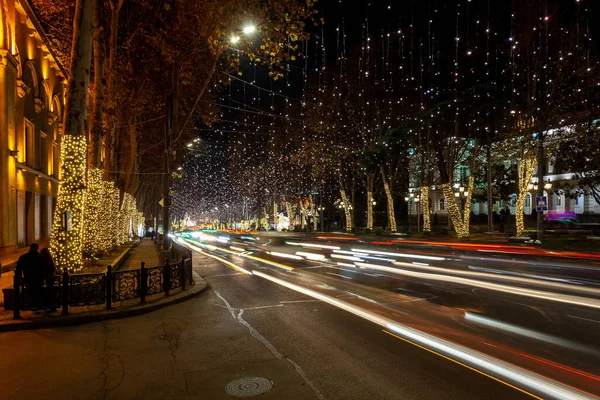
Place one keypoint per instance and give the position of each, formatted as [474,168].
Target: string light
[91,231]
[527,165]
[425,208]
[67,245]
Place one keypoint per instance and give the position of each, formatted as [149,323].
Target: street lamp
[321,214]
[246,30]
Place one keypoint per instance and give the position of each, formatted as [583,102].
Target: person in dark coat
[33,266]
[49,279]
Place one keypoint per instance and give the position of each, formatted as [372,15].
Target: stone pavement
[144,251]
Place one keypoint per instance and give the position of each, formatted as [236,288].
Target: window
[528,200]
[559,200]
[441,204]
[577,200]
[29,145]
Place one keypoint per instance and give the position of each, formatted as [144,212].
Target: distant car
[565,217]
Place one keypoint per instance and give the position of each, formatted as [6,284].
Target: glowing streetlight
[234,39]
[248,29]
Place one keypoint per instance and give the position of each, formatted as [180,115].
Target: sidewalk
[143,252]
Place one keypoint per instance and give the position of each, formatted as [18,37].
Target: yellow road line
[463,365]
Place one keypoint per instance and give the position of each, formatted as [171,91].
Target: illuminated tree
[67,245]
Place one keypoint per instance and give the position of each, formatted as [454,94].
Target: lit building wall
[32,84]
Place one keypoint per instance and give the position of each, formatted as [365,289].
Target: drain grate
[248,387]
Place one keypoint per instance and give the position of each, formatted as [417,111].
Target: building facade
[32,93]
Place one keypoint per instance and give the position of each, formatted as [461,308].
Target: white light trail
[490,365]
[514,290]
[311,256]
[508,279]
[285,255]
[229,264]
[351,258]
[404,255]
[313,245]
[517,330]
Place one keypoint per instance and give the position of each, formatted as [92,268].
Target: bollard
[108,283]
[65,292]
[167,277]
[182,272]
[17,294]
[143,283]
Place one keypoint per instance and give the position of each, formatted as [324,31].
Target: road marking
[462,365]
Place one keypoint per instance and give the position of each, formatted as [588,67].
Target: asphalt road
[540,314]
[315,332]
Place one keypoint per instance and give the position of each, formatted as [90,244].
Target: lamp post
[410,200]
[462,194]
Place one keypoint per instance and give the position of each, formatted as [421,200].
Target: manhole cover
[248,387]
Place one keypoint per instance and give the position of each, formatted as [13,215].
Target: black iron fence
[73,290]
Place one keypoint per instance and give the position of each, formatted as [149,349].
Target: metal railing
[74,290]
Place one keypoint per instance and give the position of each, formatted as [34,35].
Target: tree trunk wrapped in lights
[107,213]
[125,219]
[390,201]
[346,210]
[460,218]
[303,214]
[526,169]
[315,215]
[265,220]
[370,180]
[425,205]
[67,245]
[93,202]
[290,214]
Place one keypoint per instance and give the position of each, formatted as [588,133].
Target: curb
[97,316]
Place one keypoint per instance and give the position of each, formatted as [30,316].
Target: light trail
[518,330]
[343,257]
[404,255]
[285,255]
[515,279]
[313,245]
[228,263]
[514,290]
[273,263]
[311,256]
[511,375]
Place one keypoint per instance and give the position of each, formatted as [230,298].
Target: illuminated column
[8,207]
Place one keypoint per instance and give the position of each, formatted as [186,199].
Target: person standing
[33,265]
[50,270]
